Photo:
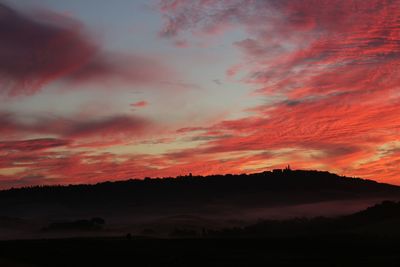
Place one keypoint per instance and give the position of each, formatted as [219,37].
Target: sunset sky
[96,90]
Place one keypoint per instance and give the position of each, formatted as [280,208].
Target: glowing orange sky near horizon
[204,87]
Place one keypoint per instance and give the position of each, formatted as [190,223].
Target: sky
[96,90]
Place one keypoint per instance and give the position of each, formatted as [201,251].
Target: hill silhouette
[379,220]
[260,189]
[299,184]
[216,200]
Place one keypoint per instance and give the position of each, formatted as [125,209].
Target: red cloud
[139,104]
[112,126]
[72,128]
[32,145]
[335,64]
[44,167]
[37,50]
[332,65]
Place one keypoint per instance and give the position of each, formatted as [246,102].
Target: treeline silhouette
[188,193]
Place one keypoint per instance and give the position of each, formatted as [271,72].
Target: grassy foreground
[347,250]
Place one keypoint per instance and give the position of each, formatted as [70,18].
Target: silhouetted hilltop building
[280,171]
[287,169]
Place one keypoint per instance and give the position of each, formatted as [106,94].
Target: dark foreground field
[347,250]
